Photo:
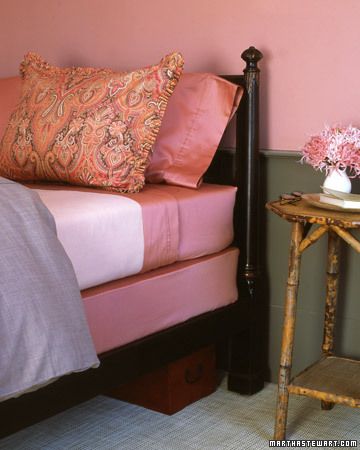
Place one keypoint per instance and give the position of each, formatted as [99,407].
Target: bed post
[247,347]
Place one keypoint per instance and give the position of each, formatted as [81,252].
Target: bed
[192,285]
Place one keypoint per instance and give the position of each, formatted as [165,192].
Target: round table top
[303,211]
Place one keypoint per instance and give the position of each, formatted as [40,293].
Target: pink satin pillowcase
[10,91]
[197,114]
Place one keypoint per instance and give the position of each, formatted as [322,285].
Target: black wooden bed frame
[236,329]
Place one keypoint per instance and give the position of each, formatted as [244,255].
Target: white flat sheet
[102,234]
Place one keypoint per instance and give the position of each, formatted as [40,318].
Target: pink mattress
[109,236]
[126,310]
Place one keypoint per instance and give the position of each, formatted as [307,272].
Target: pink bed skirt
[123,311]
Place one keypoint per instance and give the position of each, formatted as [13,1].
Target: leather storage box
[172,387]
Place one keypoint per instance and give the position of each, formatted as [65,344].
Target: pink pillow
[10,89]
[197,114]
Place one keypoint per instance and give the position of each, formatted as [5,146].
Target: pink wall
[311,48]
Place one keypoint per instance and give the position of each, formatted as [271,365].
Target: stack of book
[340,199]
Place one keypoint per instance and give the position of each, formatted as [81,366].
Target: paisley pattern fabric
[87,126]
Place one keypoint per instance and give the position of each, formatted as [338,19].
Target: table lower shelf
[332,379]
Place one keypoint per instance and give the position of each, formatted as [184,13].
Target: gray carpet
[222,421]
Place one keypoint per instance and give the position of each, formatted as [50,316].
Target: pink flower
[335,147]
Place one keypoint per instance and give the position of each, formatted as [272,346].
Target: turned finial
[251,56]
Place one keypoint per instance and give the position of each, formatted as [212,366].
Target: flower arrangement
[334,148]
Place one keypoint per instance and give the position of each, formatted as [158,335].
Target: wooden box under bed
[175,385]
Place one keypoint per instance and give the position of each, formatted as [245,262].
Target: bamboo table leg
[288,331]
[332,281]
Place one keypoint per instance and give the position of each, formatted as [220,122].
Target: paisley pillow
[87,126]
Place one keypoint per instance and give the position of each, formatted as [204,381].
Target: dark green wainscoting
[282,172]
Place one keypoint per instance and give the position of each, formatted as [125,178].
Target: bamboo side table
[332,379]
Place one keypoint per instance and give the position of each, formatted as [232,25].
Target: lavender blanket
[43,330]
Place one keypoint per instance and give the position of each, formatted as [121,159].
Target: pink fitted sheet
[177,224]
[126,310]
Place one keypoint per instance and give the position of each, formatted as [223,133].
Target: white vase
[338,180]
